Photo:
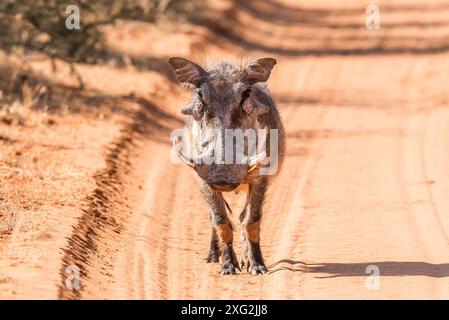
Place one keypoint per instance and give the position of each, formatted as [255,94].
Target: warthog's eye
[245,103]
[245,95]
[200,95]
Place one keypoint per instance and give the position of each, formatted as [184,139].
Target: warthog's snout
[222,178]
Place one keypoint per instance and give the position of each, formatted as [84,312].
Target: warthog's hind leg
[214,251]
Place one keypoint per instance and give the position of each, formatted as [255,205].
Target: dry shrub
[41,24]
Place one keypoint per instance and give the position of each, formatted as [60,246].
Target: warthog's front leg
[222,235]
[250,219]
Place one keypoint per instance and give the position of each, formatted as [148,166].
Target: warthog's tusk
[252,167]
[181,155]
[257,158]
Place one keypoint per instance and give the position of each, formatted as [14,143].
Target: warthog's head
[223,127]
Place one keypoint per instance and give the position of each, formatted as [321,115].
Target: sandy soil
[364,185]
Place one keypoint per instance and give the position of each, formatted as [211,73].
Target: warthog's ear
[187,71]
[258,70]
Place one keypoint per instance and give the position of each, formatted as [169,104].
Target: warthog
[229,98]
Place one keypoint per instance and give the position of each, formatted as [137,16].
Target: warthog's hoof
[253,267]
[229,267]
[227,271]
[230,262]
[257,268]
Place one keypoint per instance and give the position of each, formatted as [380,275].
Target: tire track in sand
[97,239]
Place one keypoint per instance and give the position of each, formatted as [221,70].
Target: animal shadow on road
[386,268]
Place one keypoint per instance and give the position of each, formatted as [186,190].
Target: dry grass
[47,165]
[18,110]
